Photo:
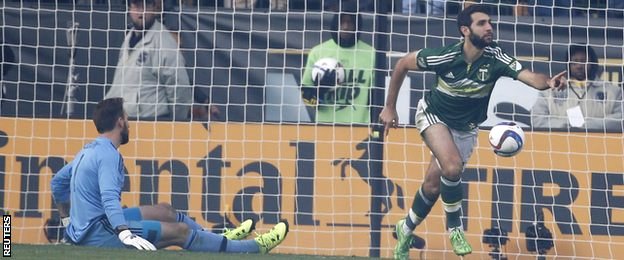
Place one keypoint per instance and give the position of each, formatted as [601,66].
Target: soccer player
[449,114]
[89,189]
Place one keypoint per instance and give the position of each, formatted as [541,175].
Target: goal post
[263,155]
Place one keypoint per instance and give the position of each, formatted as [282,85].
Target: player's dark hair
[464,18]
[592,58]
[106,114]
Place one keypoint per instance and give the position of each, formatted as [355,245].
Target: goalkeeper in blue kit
[87,192]
[448,116]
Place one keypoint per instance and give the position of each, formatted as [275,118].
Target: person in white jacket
[587,102]
[151,76]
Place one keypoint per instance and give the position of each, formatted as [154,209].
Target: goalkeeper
[89,189]
[449,114]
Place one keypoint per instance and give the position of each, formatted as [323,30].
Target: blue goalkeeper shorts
[102,234]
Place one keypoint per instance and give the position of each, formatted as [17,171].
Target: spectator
[249,4]
[587,102]
[202,109]
[557,8]
[521,8]
[433,7]
[436,7]
[151,74]
[347,102]
[615,8]
[411,6]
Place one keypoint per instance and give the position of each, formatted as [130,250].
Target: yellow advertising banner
[328,183]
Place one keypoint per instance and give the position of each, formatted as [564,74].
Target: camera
[538,237]
[495,237]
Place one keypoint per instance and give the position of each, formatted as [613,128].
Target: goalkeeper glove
[133,240]
[65,221]
[328,79]
[309,95]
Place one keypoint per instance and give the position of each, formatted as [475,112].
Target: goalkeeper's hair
[106,114]
[464,17]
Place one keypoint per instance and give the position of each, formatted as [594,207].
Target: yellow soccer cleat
[269,240]
[240,232]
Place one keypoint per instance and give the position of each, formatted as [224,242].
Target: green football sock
[420,209]
[452,196]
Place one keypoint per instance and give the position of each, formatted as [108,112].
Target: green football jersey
[461,95]
[348,102]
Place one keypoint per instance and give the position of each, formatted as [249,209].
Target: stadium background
[327,181]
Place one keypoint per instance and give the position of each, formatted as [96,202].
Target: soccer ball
[507,139]
[328,72]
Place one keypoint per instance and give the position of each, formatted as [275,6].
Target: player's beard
[479,42]
[125,134]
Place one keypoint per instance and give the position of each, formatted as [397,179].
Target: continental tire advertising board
[321,180]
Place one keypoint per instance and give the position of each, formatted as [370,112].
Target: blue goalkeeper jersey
[92,182]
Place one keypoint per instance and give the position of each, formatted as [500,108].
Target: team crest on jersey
[484,72]
[515,65]
[142,58]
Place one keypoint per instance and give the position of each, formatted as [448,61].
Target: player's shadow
[362,166]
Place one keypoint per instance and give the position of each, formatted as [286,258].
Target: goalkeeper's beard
[125,134]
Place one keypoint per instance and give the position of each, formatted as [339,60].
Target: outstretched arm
[388,116]
[541,82]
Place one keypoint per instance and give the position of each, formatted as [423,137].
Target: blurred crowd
[589,8]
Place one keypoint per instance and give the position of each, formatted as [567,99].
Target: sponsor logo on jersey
[450,75]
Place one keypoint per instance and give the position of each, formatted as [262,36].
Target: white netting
[263,155]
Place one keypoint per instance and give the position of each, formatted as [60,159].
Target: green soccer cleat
[240,232]
[274,237]
[459,243]
[404,241]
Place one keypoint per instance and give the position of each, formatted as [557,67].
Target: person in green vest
[449,115]
[345,102]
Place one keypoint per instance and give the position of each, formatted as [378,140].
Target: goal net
[251,146]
